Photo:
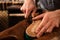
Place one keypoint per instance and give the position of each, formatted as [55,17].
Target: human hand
[27,7]
[49,21]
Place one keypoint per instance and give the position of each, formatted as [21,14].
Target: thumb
[38,17]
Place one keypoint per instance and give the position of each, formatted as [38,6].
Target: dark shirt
[48,4]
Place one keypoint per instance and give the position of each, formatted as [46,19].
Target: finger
[44,29]
[50,28]
[38,17]
[33,13]
[27,13]
[43,22]
[23,9]
[57,23]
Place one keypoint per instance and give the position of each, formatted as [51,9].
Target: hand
[27,7]
[49,21]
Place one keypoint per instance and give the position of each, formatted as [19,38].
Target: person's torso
[49,4]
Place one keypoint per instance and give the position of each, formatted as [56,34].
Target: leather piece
[17,31]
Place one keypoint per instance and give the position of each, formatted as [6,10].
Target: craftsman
[50,19]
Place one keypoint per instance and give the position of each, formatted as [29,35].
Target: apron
[48,4]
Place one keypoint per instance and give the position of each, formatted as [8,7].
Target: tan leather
[17,31]
[32,27]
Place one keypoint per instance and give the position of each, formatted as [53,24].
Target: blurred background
[5,3]
[12,7]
